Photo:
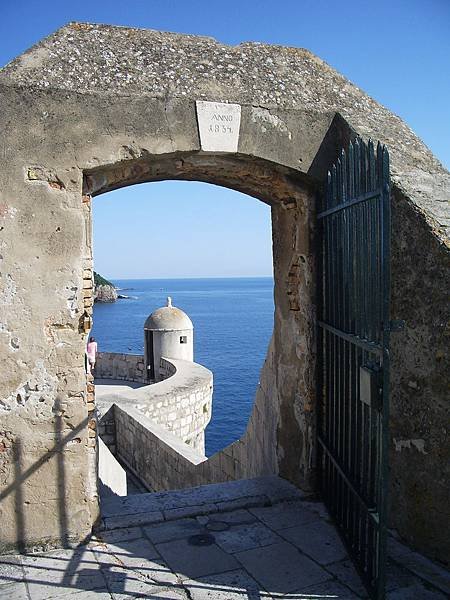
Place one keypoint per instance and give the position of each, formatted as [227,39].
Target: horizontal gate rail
[353,339]
[362,198]
[371,510]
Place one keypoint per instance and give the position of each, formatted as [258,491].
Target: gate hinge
[397,325]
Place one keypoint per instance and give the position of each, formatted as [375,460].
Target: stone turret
[168,333]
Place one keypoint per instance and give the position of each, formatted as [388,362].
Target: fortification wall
[181,403]
[126,367]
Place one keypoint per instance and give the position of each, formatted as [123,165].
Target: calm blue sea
[233,322]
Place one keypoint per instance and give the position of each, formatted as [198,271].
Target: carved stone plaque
[218,125]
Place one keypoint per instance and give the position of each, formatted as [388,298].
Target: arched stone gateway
[92,108]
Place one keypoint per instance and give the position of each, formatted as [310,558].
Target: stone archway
[291,197]
[123,111]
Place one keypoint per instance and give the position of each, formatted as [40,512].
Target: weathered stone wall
[420,370]
[73,122]
[106,428]
[181,403]
[127,367]
[143,446]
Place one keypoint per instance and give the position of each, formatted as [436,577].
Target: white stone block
[218,125]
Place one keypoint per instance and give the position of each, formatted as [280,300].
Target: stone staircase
[141,509]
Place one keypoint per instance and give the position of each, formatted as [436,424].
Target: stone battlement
[180,403]
[125,367]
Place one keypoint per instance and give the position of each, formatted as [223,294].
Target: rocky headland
[104,290]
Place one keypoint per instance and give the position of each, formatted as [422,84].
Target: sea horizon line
[188,278]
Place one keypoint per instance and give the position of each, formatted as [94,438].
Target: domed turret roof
[168,318]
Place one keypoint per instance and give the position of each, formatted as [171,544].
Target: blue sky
[398,51]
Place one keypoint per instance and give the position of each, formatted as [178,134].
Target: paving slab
[240,537]
[105,558]
[190,561]
[415,592]
[234,585]
[132,520]
[284,515]
[42,587]
[227,496]
[157,595]
[281,568]
[346,573]
[278,489]
[63,561]
[165,595]
[14,591]
[128,505]
[398,576]
[396,549]
[125,582]
[134,554]
[10,569]
[118,535]
[189,511]
[427,570]
[173,530]
[61,573]
[317,507]
[235,517]
[98,594]
[329,590]
[111,559]
[172,595]
[244,502]
[318,539]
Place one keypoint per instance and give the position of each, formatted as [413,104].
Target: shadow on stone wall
[23,508]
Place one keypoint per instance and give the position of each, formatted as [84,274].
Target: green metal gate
[353,344]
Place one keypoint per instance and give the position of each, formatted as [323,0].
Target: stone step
[139,509]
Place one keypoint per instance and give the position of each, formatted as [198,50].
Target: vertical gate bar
[339,309]
[327,333]
[347,310]
[383,174]
[357,285]
[346,327]
[365,332]
[370,302]
[354,191]
[333,489]
[327,315]
[373,413]
[352,328]
[328,337]
[337,301]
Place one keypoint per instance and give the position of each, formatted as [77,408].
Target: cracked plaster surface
[40,387]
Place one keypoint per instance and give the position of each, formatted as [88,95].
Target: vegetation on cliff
[99,280]
[104,290]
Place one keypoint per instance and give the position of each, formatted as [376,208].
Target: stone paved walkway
[256,539]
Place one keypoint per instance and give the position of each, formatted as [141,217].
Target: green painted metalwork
[353,345]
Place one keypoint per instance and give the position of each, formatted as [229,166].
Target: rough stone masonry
[92,108]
